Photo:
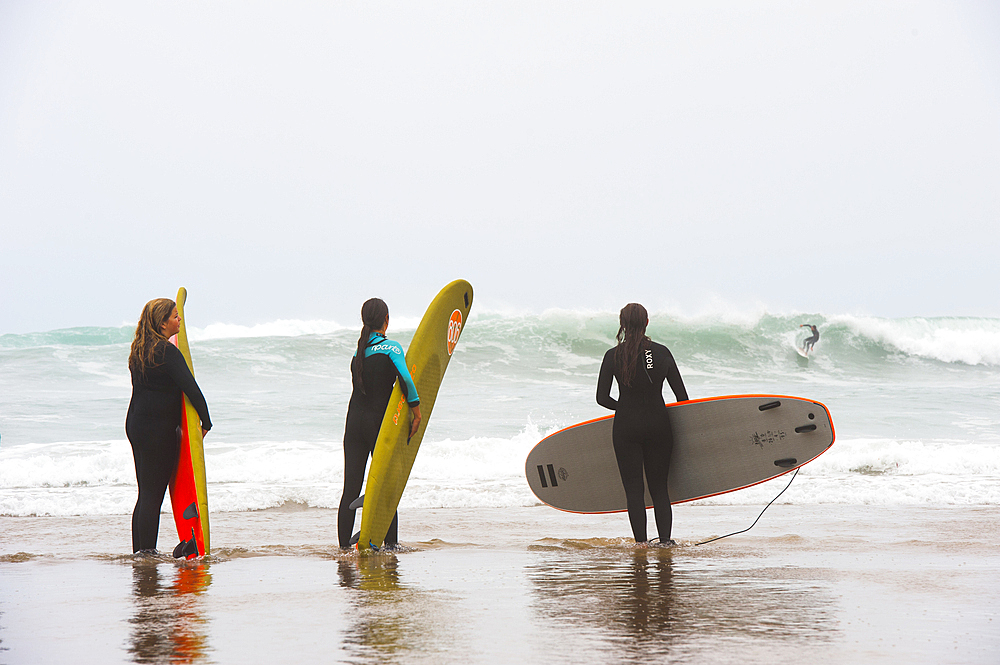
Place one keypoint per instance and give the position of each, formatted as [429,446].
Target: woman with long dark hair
[376,365]
[641,429]
[160,379]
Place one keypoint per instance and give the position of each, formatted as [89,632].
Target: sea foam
[973,341]
[75,478]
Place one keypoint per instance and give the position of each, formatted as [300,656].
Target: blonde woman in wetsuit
[641,428]
[376,365]
[160,379]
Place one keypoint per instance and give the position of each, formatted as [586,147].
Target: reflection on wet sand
[656,602]
[168,623]
[374,572]
[390,619]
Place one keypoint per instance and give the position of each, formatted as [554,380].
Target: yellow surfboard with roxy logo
[427,359]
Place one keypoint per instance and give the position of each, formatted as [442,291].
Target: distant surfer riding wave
[809,342]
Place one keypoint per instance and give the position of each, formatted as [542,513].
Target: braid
[373,314]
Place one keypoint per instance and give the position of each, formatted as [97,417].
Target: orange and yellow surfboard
[188,487]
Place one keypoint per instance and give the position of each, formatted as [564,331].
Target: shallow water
[807,584]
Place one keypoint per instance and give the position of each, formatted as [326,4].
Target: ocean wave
[971,341]
[290,328]
[729,336]
[75,478]
[85,336]
[737,337]
[280,328]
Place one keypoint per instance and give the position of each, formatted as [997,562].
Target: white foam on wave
[950,340]
[279,328]
[888,472]
[909,458]
[66,465]
[715,310]
[75,478]
[287,328]
[720,310]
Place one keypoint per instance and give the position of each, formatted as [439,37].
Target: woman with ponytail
[160,379]
[376,365]
[641,429]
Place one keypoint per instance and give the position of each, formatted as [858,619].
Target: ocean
[915,402]
[882,550]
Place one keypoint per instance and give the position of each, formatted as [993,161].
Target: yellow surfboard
[427,359]
[188,487]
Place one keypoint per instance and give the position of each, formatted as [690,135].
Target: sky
[291,160]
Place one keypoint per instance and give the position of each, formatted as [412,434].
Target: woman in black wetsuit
[641,428]
[160,378]
[376,365]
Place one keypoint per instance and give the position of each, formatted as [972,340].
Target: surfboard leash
[712,540]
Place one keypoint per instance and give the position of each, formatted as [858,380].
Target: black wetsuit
[154,416]
[641,432]
[384,362]
[808,342]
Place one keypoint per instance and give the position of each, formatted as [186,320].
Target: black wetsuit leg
[355,460]
[392,535]
[642,439]
[359,442]
[156,451]
[657,446]
[629,456]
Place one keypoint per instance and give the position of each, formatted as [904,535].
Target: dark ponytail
[631,340]
[373,316]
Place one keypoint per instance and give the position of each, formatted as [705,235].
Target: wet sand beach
[828,583]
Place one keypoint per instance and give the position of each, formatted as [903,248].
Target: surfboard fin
[357,503]
[355,537]
[186,549]
[191,512]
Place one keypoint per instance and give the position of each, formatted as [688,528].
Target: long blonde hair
[148,335]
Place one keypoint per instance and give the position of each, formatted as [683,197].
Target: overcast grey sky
[290,160]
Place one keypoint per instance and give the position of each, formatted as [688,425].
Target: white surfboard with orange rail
[721,444]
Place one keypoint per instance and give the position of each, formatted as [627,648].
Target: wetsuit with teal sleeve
[641,431]
[384,363]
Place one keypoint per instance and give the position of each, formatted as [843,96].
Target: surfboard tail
[188,504]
